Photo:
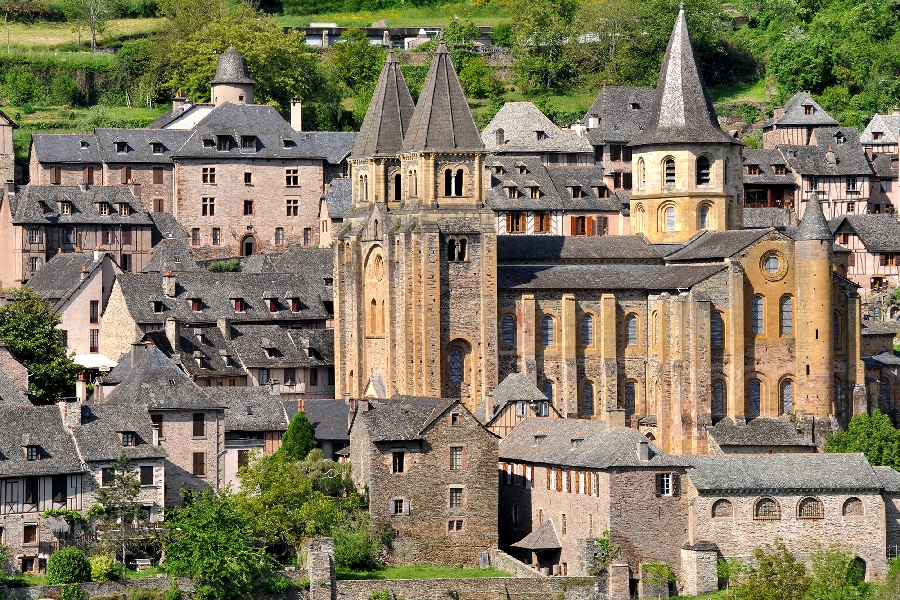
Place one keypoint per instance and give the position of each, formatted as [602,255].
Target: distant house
[334,206]
[874,244]
[515,399]
[757,436]
[795,122]
[881,134]
[430,471]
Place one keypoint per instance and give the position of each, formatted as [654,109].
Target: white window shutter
[406,507]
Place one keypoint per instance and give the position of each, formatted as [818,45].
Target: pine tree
[299,438]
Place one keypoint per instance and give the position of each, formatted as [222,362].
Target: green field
[46,37]
[413,16]
[419,572]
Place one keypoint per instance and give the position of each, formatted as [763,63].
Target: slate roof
[553,184]
[766,218]
[813,225]
[98,436]
[681,111]
[329,417]
[525,249]
[620,121]
[675,277]
[250,408]
[878,233]
[196,342]
[139,144]
[292,347]
[165,226]
[888,125]
[40,205]
[171,255]
[156,381]
[889,478]
[388,116]
[61,275]
[766,160]
[35,426]
[781,472]
[231,68]
[879,327]
[516,386]
[758,432]
[577,277]
[883,357]
[795,113]
[442,120]
[339,198]
[216,292]
[596,446]
[717,245]
[885,166]
[314,264]
[402,418]
[844,159]
[542,538]
[520,122]
[65,148]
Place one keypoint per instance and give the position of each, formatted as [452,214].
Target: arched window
[448,182]
[461,252]
[757,322]
[451,250]
[587,399]
[669,167]
[716,330]
[373,317]
[766,509]
[754,397]
[670,219]
[547,389]
[587,330]
[508,331]
[722,509]
[885,394]
[810,508]
[642,174]
[456,365]
[629,397]
[703,167]
[703,217]
[787,315]
[458,183]
[719,404]
[398,188]
[853,507]
[787,397]
[654,324]
[640,219]
[631,330]
[836,328]
[413,183]
[365,188]
[547,331]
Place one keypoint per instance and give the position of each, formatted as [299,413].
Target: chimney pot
[297,113]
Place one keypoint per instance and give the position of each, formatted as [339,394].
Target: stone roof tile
[98,436]
[622,114]
[388,116]
[769,473]
[758,432]
[40,426]
[526,129]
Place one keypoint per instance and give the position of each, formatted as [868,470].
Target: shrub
[105,568]
[277,584]
[68,566]
[224,266]
[146,594]
[174,592]
[354,548]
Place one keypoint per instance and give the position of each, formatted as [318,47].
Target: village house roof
[166,227]
[66,148]
[885,166]
[139,145]
[889,478]
[315,264]
[766,218]
[577,277]
[232,68]
[250,408]
[201,352]
[766,161]
[403,418]
[716,245]
[878,233]
[795,113]
[887,125]
[781,472]
[554,185]
[171,255]
[99,435]
[527,130]
[39,426]
[515,387]
[16,370]
[388,116]
[870,327]
[828,160]
[258,263]
[681,111]
[542,538]
[269,345]
[334,146]
[883,358]
[329,417]
[622,112]
[442,120]
[338,198]
[580,443]
[41,205]
[61,276]
[760,431]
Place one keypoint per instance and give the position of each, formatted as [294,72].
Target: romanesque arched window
[787,397]
[719,397]
[810,508]
[754,398]
[458,183]
[451,250]
[722,509]
[703,168]
[631,330]
[703,217]
[587,330]
[853,507]
[716,330]
[640,219]
[642,173]
[766,509]
[670,218]
[630,400]
[786,306]
[508,331]
[586,406]
[757,316]
[669,172]
[461,250]
[547,331]
[456,365]
[398,188]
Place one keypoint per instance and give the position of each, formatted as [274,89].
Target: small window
[279,236]
[521,408]
[455,525]
[157,421]
[779,169]
[223,143]
[508,331]
[248,178]
[808,109]
[121,147]
[292,177]
[703,169]
[456,497]
[248,142]
[146,475]
[29,536]
[208,207]
[767,509]
[128,438]
[631,330]
[208,175]
[456,365]
[65,208]
[669,172]
[667,484]
[293,206]
[703,217]
[456,458]
[787,316]
[877,135]
[587,330]
[216,236]
[398,462]
[199,464]
[722,509]
[107,476]
[670,219]
[199,425]
[547,331]
[196,304]
[787,397]
[718,398]
[32,453]
[307,236]
[853,507]
[455,420]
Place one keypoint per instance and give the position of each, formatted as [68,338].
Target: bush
[354,549]
[105,568]
[224,266]
[174,592]
[146,594]
[68,566]
[21,86]
[277,584]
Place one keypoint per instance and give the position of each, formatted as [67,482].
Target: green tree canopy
[874,436]
[119,501]
[837,575]
[28,327]
[774,574]
[356,62]
[299,438]
[543,29]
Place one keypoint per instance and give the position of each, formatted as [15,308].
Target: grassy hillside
[411,16]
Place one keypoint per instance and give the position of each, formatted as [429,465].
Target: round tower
[815,314]
[232,82]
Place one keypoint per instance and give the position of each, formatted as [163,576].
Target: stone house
[874,244]
[78,285]
[428,468]
[884,183]
[515,399]
[39,222]
[794,123]
[768,182]
[189,425]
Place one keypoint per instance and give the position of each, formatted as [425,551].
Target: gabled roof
[388,116]
[171,255]
[232,68]
[139,144]
[758,432]
[520,123]
[166,227]
[769,473]
[98,435]
[556,249]
[553,184]
[682,111]
[885,166]
[334,146]
[156,381]
[766,160]
[878,233]
[577,277]
[542,538]
[329,417]
[339,198]
[889,477]
[250,408]
[258,263]
[402,418]
[622,112]
[887,125]
[62,274]
[795,112]
[442,120]
[717,245]
[292,347]
[883,357]
[580,443]
[813,225]
[65,148]
[196,343]
[40,205]
[35,426]
[516,386]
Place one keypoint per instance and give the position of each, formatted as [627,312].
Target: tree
[68,565]
[728,570]
[658,575]
[776,575]
[874,436]
[28,327]
[119,501]
[837,575]
[356,62]
[93,14]
[299,438]
[543,29]
[212,542]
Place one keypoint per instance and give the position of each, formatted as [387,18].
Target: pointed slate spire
[442,121]
[388,115]
[682,110]
[813,225]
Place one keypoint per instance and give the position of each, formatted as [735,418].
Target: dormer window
[287,143]
[273,305]
[541,136]
[223,143]
[65,208]
[839,139]
[576,192]
[196,304]
[752,169]
[209,143]
[635,106]
[121,147]
[877,135]
[779,169]
[157,306]
[84,144]
[32,453]
[535,192]
[523,169]
[248,142]
[129,439]
[808,109]
[295,305]
[512,192]
[124,209]
[272,352]
[498,169]
[103,208]
[239,305]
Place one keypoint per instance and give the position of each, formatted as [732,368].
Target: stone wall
[161,584]
[501,561]
[500,588]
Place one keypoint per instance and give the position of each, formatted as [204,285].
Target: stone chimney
[895,111]
[84,272]
[274,387]
[10,187]
[71,413]
[296,114]
[178,102]
[137,351]
[81,388]
[172,333]
[386,38]
[155,433]
[779,112]
[500,137]
[643,450]
[135,188]
[224,324]
[169,284]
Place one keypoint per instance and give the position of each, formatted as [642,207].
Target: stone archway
[249,246]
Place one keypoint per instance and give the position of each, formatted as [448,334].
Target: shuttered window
[703,171]
[718,399]
[756,315]
[199,422]
[754,395]
[717,330]
[631,332]
[587,330]
[587,399]
[787,315]
[787,397]
[199,466]
[547,331]
[670,171]
[508,331]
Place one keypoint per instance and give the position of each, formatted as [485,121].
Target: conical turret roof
[813,225]
[388,115]
[232,68]
[442,120]
[682,111]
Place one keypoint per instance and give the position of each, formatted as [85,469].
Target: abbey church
[687,321]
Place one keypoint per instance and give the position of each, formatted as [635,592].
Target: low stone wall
[486,588]
[161,584]
[502,561]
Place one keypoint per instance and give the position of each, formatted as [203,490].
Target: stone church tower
[687,171]
[415,265]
